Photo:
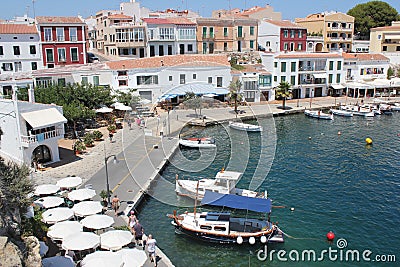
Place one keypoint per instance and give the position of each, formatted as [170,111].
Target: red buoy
[330,236]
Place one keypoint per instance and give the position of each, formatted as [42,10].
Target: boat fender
[239,240]
[368,141]
[252,240]
[263,239]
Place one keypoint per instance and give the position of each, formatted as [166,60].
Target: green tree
[15,187]
[283,92]
[390,73]
[234,93]
[370,15]
[127,98]
[192,101]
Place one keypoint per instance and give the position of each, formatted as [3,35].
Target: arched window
[268,44]
[41,154]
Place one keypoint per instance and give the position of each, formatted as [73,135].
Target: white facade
[360,46]
[269,36]
[365,67]
[19,142]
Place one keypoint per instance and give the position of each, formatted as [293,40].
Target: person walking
[132,221]
[115,204]
[138,228]
[151,249]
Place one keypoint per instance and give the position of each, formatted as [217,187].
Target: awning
[319,75]
[237,202]
[44,118]
[337,86]
[196,88]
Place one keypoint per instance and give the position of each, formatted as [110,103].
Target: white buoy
[252,240]
[239,240]
[263,239]
[292,209]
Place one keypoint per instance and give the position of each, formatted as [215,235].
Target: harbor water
[326,182]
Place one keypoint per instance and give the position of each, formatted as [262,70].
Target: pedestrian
[130,124]
[111,136]
[151,249]
[132,221]
[138,233]
[115,204]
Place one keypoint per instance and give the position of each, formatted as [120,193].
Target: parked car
[92,58]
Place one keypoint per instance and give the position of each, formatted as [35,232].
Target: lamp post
[108,184]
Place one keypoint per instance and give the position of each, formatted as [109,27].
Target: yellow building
[216,35]
[385,39]
[337,29]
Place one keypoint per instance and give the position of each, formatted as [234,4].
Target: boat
[204,142]
[224,183]
[318,114]
[386,109]
[245,127]
[343,113]
[223,228]
[359,111]
[396,107]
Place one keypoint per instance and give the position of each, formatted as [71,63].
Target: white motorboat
[205,142]
[245,127]
[318,114]
[359,111]
[396,107]
[343,113]
[224,183]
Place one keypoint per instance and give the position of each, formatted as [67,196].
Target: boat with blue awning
[222,227]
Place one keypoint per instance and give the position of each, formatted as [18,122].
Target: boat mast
[195,200]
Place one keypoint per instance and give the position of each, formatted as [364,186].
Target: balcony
[73,38]
[60,38]
[27,141]
[311,68]
[210,36]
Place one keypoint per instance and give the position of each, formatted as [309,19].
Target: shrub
[88,139]
[79,146]
[112,128]
[97,135]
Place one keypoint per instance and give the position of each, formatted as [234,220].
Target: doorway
[41,154]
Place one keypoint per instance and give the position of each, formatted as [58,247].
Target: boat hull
[318,115]
[342,113]
[196,144]
[245,127]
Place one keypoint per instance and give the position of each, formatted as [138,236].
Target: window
[16,50]
[285,46]
[187,34]
[18,66]
[182,79]
[204,32]
[190,48]
[194,76]
[170,78]
[267,43]
[251,30]
[397,48]
[60,34]
[122,83]
[225,46]
[240,31]
[210,79]
[300,34]
[161,50]
[49,55]
[61,54]
[84,80]
[211,32]
[74,54]
[166,33]
[292,80]
[275,78]
[252,44]
[283,78]
[150,79]
[61,81]
[225,32]
[1,51]
[7,66]
[34,65]
[299,46]
[285,33]
[330,65]
[219,81]
[48,35]
[275,64]
[330,80]
[292,33]
[96,80]
[293,66]
[339,65]
[264,80]
[32,49]
[337,78]
[73,35]
[43,82]
[283,66]
[384,48]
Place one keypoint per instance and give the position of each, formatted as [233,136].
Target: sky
[290,9]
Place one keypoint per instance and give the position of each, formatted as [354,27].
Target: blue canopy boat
[221,227]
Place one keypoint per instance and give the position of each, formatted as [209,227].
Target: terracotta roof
[253,10]
[17,29]
[392,28]
[58,20]
[119,16]
[309,55]
[176,21]
[170,61]
[284,24]
[364,56]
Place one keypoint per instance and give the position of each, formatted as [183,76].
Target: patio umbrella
[123,108]
[102,258]
[104,110]
[115,240]
[97,221]
[46,189]
[58,261]
[61,230]
[49,202]
[86,208]
[81,194]
[69,182]
[210,95]
[55,215]
[132,257]
[116,104]
[81,241]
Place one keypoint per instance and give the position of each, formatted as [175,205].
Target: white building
[30,131]
[365,67]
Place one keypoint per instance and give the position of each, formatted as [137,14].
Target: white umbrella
[43,248]
[115,240]
[58,261]
[133,257]
[81,241]
[97,221]
[104,110]
[81,194]
[46,189]
[116,104]
[55,215]
[102,258]
[69,182]
[61,230]
[144,101]
[210,95]
[86,208]
[49,202]
[123,108]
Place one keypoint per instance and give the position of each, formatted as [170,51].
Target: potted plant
[103,195]
[88,140]
[79,147]
[97,135]
[112,128]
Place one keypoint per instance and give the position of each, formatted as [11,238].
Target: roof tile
[364,56]
[309,55]
[17,29]
[58,20]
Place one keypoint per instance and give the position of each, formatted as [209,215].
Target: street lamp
[108,185]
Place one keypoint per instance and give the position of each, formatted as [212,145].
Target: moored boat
[343,113]
[205,142]
[245,127]
[318,114]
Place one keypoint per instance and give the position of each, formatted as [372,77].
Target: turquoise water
[333,182]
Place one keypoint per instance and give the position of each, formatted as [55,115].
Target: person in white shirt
[151,248]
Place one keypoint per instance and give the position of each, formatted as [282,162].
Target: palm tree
[283,92]
[234,93]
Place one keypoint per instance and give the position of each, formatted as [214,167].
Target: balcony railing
[61,38]
[33,139]
[73,38]
[310,68]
